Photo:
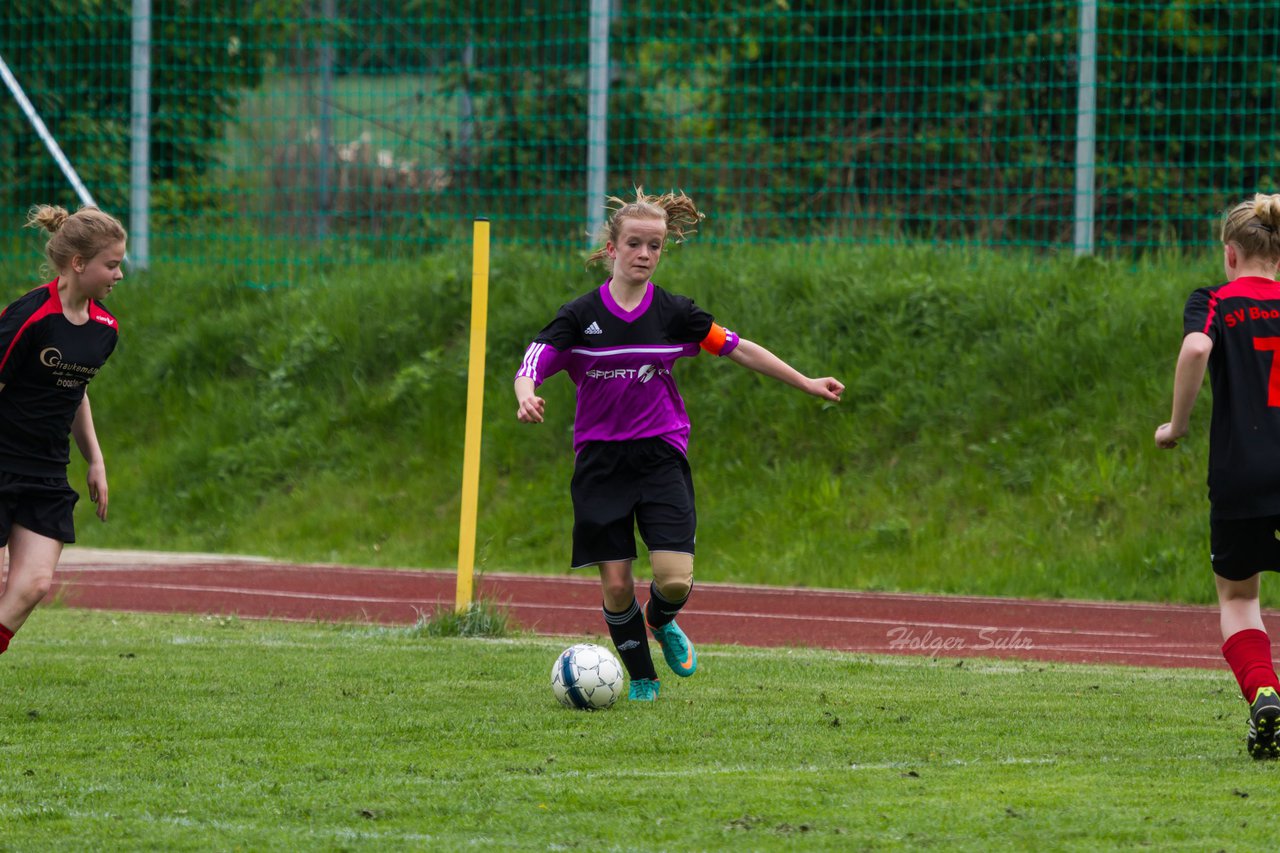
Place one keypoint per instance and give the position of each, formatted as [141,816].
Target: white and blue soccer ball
[587,677]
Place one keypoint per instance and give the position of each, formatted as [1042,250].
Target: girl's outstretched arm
[759,359]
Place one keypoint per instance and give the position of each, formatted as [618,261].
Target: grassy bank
[995,436]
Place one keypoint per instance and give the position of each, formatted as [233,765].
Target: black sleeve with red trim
[1199,313]
[15,340]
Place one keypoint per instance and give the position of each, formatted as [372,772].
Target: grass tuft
[481,619]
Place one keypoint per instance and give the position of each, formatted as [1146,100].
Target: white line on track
[251,593]
[693,611]
[91,559]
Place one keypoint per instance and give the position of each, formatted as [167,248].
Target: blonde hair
[1254,226]
[82,234]
[676,209]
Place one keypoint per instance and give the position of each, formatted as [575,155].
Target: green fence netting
[305,131]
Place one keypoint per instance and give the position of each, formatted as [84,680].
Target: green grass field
[129,732]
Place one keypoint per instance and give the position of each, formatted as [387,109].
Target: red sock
[5,636]
[1248,653]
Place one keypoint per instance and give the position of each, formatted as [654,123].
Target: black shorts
[619,485]
[1242,547]
[43,505]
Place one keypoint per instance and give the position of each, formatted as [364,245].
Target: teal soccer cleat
[644,689]
[676,649]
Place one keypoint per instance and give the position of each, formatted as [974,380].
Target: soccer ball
[587,677]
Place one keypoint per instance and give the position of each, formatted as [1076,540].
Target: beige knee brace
[672,574]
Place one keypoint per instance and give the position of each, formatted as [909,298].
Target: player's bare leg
[32,560]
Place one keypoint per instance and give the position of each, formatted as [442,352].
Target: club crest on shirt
[70,374]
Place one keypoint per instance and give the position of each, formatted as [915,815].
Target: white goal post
[137,259]
[46,137]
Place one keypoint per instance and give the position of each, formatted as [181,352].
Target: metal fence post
[140,139]
[325,160]
[597,116]
[1086,127]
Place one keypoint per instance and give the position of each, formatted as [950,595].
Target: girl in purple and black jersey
[1233,329]
[53,341]
[619,344]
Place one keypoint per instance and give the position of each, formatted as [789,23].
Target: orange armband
[716,340]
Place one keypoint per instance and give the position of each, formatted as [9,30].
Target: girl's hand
[1167,438]
[828,388]
[97,481]
[531,409]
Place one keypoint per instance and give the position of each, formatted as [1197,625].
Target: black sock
[627,632]
[660,611]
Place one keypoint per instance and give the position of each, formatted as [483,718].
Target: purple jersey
[622,362]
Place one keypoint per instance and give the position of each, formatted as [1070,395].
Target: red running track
[875,623]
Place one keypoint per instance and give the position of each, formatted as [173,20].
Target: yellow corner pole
[475,412]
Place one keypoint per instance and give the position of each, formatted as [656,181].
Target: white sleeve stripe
[525,364]
[529,367]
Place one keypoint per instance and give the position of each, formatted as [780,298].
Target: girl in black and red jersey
[619,344]
[1234,330]
[53,341]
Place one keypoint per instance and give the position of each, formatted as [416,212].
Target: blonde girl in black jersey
[1233,331]
[53,341]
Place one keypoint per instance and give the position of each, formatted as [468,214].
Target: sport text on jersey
[644,373]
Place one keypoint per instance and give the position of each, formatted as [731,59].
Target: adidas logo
[593,329]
